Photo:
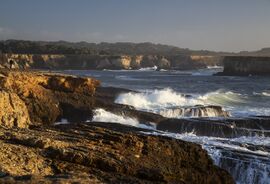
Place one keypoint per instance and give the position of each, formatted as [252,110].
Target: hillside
[120,48]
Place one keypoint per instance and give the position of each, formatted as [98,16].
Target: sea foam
[101,115]
[170,103]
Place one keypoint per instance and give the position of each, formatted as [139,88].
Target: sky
[219,25]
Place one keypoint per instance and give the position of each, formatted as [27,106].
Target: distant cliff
[246,65]
[99,62]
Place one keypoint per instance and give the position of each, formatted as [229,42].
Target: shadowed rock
[246,65]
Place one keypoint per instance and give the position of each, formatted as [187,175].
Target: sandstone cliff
[246,65]
[43,96]
[99,62]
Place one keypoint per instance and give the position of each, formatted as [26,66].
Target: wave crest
[100,115]
[175,105]
[154,68]
[156,99]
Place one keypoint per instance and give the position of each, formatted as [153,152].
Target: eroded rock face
[13,111]
[102,152]
[46,96]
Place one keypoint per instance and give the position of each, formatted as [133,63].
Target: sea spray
[177,105]
[156,99]
[101,115]
[246,164]
[166,101]
[154,68]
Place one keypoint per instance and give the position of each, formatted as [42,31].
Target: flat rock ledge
[35,150]
[101,153]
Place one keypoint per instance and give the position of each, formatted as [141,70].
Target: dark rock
[246,65]
[226,127]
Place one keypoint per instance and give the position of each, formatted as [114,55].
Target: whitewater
[198,96]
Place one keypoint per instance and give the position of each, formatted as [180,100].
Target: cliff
[99,62]
[246,65]
[36,150]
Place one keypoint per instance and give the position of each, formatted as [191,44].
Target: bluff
[246,65]
[99,62]
[36,150]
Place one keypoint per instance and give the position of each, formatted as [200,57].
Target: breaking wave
[215,67]
[223,98]
[173,104]
[170,103]
[266,94]
[154,68]
[156,99]
[101,115]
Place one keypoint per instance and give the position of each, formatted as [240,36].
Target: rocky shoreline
[34,149]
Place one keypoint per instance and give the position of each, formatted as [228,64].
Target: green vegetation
[63,47]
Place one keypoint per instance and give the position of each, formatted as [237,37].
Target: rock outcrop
[14,112]
[101,153]
[196,111]
[36,150]
[47,97]
[246,65]
[99,62]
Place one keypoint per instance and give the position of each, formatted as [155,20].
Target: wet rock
[196,111]
[225,127]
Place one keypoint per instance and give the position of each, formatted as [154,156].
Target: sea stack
[246,65]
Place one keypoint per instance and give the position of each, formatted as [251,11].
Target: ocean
[179,94]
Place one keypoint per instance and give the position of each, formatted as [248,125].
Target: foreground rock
[46,97]
[100,152]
